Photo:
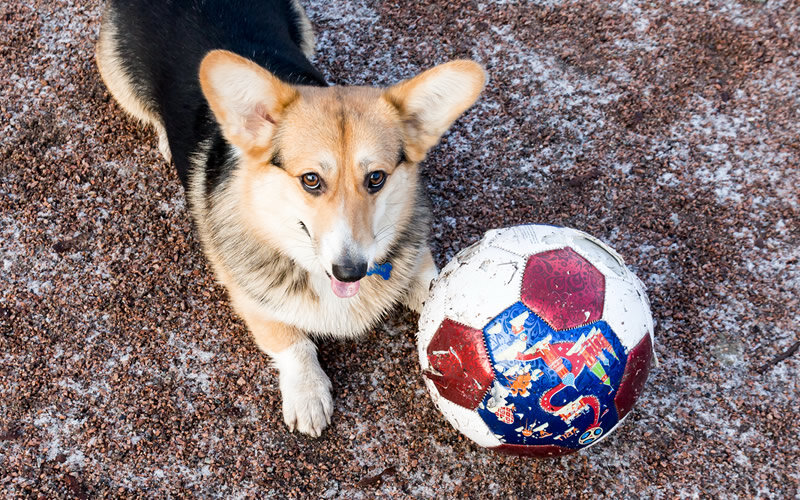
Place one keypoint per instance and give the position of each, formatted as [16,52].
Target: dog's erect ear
[431,101]
[246,99]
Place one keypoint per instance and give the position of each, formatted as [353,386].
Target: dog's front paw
[307,402]
[416,299]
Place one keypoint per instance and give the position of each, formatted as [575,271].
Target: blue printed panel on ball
[551,387]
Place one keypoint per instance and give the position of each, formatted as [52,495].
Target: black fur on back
[160,44]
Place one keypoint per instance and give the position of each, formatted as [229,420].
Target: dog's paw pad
[307,403]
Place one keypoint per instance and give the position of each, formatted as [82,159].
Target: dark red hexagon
[459,364]
[634,377]
[563,288]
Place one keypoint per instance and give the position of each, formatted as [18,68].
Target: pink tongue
[344,289]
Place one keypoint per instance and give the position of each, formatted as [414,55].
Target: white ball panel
[483,287]
[466,421]
[626,310]
[642,292]
[603,257]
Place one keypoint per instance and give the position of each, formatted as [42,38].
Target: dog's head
[329,175]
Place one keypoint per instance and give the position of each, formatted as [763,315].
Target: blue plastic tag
[383,270]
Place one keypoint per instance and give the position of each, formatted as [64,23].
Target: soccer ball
[536,340]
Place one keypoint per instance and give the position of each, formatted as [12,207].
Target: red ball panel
[527,450]
[459,365]
[563,288]
[635,376]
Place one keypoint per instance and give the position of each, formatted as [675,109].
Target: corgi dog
[306,197]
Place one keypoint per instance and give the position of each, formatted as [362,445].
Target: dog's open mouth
[344,289]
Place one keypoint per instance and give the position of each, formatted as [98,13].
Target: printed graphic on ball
[551,387]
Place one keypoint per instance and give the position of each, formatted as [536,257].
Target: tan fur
[277,269]
[355,133]
[270,336]
[120,86]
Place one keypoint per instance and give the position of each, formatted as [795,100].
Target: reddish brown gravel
[668,129]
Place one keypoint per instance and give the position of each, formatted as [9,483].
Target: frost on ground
[666,129]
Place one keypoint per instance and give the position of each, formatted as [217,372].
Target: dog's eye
[375,181]
[311,182]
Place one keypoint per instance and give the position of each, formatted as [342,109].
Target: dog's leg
[305,389]
[420,288]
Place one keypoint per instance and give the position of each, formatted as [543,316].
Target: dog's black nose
[349,271]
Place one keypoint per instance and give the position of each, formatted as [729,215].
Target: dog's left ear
[431,101]
[246,99]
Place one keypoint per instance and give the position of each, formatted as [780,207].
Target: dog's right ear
[246,99]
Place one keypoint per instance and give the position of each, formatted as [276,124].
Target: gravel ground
[668,129]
